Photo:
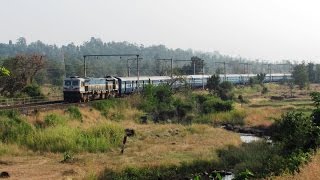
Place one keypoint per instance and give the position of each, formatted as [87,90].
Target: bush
[264,90]
[216,105]
[259,157]
[33,91]
[182,109]
[13,129]
[74,113]
[53,120]
[295,131]
[104,105]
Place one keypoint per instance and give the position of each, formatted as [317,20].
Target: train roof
[134,78]
[73,77]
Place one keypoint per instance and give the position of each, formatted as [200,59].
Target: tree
[294,132]
[261,77]
[4,72]
[213,83]
[23,69]
[300,75]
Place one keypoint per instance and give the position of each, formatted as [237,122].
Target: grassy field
[91,137]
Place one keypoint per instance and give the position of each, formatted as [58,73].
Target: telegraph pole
[128,66]
[224,69]
[109,55]
[202,73]
[269,69]
[138,73]
[246,65]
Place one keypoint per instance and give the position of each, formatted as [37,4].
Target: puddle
[247,138]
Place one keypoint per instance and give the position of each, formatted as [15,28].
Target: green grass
[74,113]
[234,117]
[56,136]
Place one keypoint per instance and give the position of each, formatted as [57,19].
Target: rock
[129,132]
[143,119]
[4,174]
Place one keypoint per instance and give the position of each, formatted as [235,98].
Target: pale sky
[264,29]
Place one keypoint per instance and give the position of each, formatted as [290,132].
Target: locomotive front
[73,87]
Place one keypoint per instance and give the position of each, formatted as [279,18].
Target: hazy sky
[264,29]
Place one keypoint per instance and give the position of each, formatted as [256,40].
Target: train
[78,89]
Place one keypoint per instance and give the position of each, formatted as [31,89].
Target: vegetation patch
[183,171]
[57,136]
[75,113]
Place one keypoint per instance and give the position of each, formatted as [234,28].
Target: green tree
[300,75]
[4,72]
[213,83]
[261,77]
[295,131]
[23,69]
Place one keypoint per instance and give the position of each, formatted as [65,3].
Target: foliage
[12,128]
[4,72]
[53,120]
[23,69]
[183,171]
[295,132]
[261,77]
[223,89]
[158,101]
[32,91]
[264,90]
[74,113]
[213,83]
[300,75]
[216,105]
[245,175]
[57,136]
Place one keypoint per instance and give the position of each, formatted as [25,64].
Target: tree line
[67,60]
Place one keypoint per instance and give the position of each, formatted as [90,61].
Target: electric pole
[171,65]
[224,69]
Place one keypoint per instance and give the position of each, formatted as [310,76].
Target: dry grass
[153,145]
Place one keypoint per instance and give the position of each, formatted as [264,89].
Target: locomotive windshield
[75,83]
[70,82]
[67,82]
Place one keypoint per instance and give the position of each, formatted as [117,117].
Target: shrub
[74,113]
[32,91]
[104,105]
[13,129]
[295,132]
[259,157]
[216,105]
[264,90]
[182,108]
[53,120]
[234,117]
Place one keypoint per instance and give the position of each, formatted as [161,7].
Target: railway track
[33,108]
